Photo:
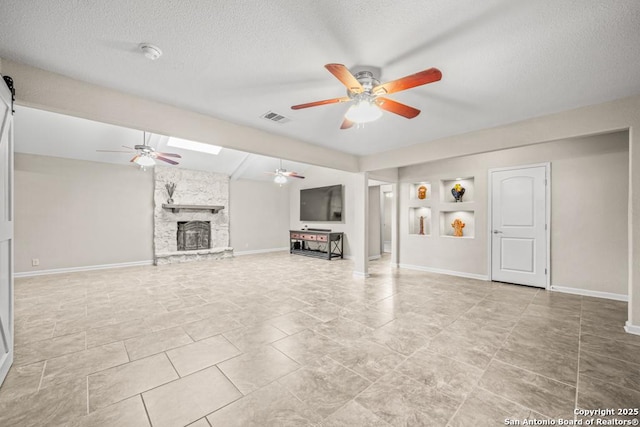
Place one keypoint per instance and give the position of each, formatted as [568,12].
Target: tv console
[319,243]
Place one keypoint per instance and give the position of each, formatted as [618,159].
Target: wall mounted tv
[322,204]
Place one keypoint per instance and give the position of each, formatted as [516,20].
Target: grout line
[146,411]
[173,366]
[513,401]
[88,395]
[42,376]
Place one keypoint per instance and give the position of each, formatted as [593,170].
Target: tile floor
[281,340]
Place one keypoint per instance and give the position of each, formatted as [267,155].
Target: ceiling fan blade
[324,102]
[114,151]
[418,79]
[169,155]
[397,108]
[343,74]
[292,174]
[164,159]
[346,124]
[130,148]
[134,158]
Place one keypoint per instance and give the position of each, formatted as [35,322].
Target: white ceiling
[50,134]
[502,60]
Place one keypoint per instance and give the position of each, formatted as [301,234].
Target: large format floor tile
[281,340]
[190,398]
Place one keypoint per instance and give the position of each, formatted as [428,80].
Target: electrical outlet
[35,262]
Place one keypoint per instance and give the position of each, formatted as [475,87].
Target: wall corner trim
[632,329]
[588,293]
[447,272]
[83,268]
[360,275]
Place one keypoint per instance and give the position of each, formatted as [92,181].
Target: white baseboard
[259,251]
[588,293]
[632,329]
[372,257]
[84,268]
[447,272]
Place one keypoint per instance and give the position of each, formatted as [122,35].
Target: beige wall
[589,231]
[74,213]
[259,216]
[321,177]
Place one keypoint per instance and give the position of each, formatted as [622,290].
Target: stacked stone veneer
[192,188]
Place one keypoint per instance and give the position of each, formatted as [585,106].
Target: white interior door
[6,231]
[519,226]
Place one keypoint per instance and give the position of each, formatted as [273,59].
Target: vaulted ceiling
[502,60]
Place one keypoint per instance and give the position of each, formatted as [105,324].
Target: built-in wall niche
[446,185]
[418,189]
[447,219]
[415,214]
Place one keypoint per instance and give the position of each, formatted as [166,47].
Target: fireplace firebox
[194,235]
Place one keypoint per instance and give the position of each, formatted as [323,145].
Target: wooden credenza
[316,243]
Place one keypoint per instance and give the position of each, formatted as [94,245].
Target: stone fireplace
[196,226]
[194,235]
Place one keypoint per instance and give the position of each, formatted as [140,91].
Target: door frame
[547,191]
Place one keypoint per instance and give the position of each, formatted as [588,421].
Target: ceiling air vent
[275,117]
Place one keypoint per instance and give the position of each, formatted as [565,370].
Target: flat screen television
[322,204]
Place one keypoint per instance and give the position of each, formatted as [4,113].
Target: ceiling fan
[282,174]
[145,155]
[368,94]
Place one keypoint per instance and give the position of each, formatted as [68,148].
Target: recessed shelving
[415,190]
[448,217]
[415,213]
[467,183]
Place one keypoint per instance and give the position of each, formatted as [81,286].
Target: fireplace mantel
[176,208]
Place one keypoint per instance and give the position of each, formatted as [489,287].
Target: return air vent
[275,117]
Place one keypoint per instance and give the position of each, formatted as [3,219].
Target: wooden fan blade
[346,124]
[169,155]
[115,151]
[164,159]
[325,102]
[418,79]
[292,174]
[397,108]
[343,74]
[134,158]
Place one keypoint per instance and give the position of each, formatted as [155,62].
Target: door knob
[497,232]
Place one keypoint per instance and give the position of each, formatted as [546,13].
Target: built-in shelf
[448,217]
[415,190]
[415,213]
[467,183]
[177,208]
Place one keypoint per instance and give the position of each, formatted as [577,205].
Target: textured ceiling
[502,60]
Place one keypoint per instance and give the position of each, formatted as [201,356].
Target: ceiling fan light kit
[363,112]
[368,94]
[280,179]
[145,161]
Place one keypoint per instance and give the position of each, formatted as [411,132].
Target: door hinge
[545,181]
[545,271]
[545,226]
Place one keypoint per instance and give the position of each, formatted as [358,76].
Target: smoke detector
[150,51]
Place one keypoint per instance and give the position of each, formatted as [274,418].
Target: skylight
[193,146]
